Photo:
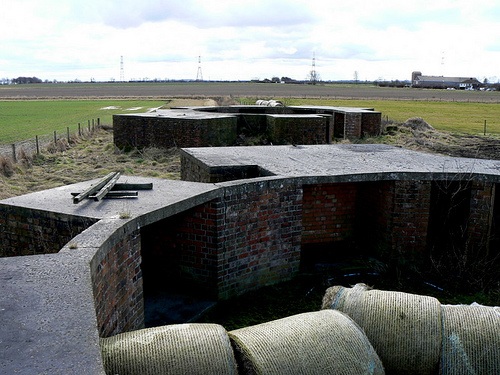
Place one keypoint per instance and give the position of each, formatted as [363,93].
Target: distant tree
[275,80]
[22,80]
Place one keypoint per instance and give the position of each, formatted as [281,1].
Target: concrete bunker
[229,125]
[227,237]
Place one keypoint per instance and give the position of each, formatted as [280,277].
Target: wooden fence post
[14,157]
[37,145]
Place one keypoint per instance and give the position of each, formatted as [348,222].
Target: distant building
[461,83]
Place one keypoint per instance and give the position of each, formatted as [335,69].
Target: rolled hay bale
[404,329]
[173,349]
[471,340]
[321,342]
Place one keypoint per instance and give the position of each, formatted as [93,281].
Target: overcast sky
[248,39]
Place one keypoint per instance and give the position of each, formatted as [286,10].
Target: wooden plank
[93,188]
[104,190]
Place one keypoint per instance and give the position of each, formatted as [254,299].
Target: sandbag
[404,329]
[173,349]
[471,340]
[321,342]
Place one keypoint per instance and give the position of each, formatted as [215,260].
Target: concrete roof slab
[344,159]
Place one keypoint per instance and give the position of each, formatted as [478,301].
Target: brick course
[29,232]
[118,287]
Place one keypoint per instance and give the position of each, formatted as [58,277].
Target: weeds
[6,166]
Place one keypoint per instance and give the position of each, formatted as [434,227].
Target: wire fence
[37,145]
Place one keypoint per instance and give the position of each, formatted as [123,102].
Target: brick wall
[329,212]
[303,130]
[352,126]
[29,232]
[117,286]
[370,123]
[388,217]
[410,217]
[481,215]
[247,239]
[259,236]
[181,251]
[146,131]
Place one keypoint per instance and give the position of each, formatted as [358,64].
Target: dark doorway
[449,217]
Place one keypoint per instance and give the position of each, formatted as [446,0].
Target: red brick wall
[181,250]
[259,236]
[117,286]
[29,232]
[410,217]
[329,212]
[246,240]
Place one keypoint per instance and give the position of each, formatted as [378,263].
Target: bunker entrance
[178,268]
[449,216]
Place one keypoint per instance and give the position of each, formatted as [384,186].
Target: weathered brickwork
[118,286]
[410,217]
[329,211]
[303,130]
[183,249]
[29,232]
[370,124]
[352,125]
[225,126]
[259,236]
[164,132]
[481,216]
[248,239]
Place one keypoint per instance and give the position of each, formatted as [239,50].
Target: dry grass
[87,158]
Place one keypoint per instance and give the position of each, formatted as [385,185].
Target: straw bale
[175,349]
[321,342]
[404,329]
[471,340]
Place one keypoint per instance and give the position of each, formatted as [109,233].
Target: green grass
[448,116]
[25,119]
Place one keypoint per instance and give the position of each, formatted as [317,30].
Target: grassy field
[24,119]
[447,116]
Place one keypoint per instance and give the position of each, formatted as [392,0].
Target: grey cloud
[132,13]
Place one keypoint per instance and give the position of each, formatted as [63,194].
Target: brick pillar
[481,214]
[410,217]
